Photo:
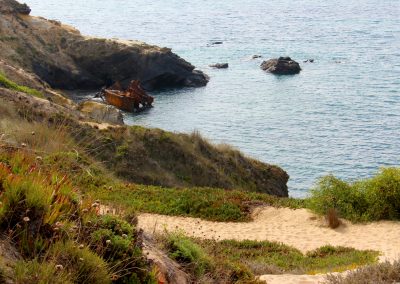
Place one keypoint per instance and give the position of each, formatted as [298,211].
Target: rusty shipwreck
[133,99]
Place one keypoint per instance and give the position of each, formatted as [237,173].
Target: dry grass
[332,218]
[383,273]
[145,156]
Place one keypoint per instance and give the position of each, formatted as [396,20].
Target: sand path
[298,228]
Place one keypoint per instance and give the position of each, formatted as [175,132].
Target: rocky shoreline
[62,57]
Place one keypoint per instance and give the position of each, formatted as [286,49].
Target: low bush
[188,253]
[116,241]
[376,198]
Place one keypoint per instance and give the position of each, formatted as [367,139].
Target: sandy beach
[298,228]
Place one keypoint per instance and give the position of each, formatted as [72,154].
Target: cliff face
[36,53]
[65,59]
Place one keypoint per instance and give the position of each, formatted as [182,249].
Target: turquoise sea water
[340,115]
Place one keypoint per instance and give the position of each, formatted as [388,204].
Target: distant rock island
[281,66]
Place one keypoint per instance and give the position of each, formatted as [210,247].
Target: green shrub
[5,82]
[371,199]
[383,194]
[185,251]
[115,240]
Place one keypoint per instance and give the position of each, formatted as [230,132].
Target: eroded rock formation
[65,59]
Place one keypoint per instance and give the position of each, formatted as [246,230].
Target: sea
[340,115]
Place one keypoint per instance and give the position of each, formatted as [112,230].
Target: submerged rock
[220,65]
[65,59]
[281,66]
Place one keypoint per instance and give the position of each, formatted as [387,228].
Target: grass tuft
[83,265]
[8,84]
[332,218]
[39,272]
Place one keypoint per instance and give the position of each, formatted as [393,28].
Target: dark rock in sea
[220,65]
[281,66]
[309,60]
[217,42]
[256,56]
[65,59]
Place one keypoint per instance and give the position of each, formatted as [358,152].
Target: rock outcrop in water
[65,59]
[220,65]
[281,66]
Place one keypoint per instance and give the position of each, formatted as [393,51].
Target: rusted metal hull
[122,102]
[133,99]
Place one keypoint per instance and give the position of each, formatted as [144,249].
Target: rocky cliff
[37,54]
[65,59]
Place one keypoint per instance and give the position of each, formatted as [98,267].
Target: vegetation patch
[209,257]
[202,266]
[206,203]
[6,83]
[58,151]
[266,257]
[188,253]
[373,199]
[62,237]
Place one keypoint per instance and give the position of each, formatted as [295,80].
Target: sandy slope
[298,228]
[293,279]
